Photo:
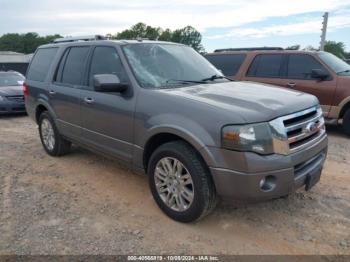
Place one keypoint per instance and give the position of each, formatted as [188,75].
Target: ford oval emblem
[311,127]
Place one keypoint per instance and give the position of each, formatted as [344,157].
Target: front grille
[303,127]
[19,98]
[297,131]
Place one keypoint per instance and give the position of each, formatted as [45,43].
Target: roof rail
[264,48]
[79,38]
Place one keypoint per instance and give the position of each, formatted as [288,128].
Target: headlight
[255,138]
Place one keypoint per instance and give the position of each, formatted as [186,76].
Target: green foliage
[27,43]
[293,47]
[24,43]
[187,35]
[336,48]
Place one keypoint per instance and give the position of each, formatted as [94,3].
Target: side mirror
[319,74]
[108,83]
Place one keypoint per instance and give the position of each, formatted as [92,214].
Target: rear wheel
[53,143]
[180,182]
[346,122]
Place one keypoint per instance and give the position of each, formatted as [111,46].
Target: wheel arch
[344,108]
[167,134]
[42,106]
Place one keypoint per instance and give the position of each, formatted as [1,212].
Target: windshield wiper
[214,77]
[345,71]
[185,81]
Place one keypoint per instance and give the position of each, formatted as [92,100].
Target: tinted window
[41,63]
[105,60]
[74,65]
[229,64]
[300,66]
[266,66]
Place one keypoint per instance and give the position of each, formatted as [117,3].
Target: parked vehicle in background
[164,109]
[11,95]
[319,73]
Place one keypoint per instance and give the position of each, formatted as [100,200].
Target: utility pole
[324,31]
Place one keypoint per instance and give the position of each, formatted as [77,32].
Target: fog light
[267,183]
[262,182]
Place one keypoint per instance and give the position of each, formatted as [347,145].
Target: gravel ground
[83,203]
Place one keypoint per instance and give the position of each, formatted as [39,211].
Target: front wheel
[346,122]
[180,182]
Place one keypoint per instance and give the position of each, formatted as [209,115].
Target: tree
[336,48]
[140,30]
[165,35]
[27,43]
[24,43]
[293,47]
[309,48]
[187,35]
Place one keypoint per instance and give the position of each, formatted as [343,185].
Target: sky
[222,23]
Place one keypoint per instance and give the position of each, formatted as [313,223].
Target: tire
[57,145]
[181,206]
[346,122]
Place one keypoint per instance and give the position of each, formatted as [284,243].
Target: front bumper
[242,173]
[8,107]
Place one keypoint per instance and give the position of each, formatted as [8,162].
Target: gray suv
[165,110]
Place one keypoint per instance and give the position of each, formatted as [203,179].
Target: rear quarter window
[41,64]
[229,64]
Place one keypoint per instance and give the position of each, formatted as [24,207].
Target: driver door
[299,67]
[108,117]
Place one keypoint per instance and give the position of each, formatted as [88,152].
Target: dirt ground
[83,203]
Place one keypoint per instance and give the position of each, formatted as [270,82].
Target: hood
[11,90]
[254,102]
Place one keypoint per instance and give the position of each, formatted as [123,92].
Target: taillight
[25,90]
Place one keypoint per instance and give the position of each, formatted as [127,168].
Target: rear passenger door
[108,117]
[267,68]
[299,67]
[65,91]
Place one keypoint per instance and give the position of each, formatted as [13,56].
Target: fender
[185,134]
[336,111]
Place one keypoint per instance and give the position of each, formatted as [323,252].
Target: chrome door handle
[291,85]
[51,92]
[88,100]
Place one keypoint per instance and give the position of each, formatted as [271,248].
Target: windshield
[338,65]
[167,65]
[11,79]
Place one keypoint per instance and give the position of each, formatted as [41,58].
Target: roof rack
[79,38]
[264,48]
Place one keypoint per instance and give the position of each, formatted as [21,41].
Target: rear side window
[72,66]
[266,66]
[105,60]
[229,64]
[41,64]
[300,66]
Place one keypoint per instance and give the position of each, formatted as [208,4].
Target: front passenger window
[105,60]
[301,65]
